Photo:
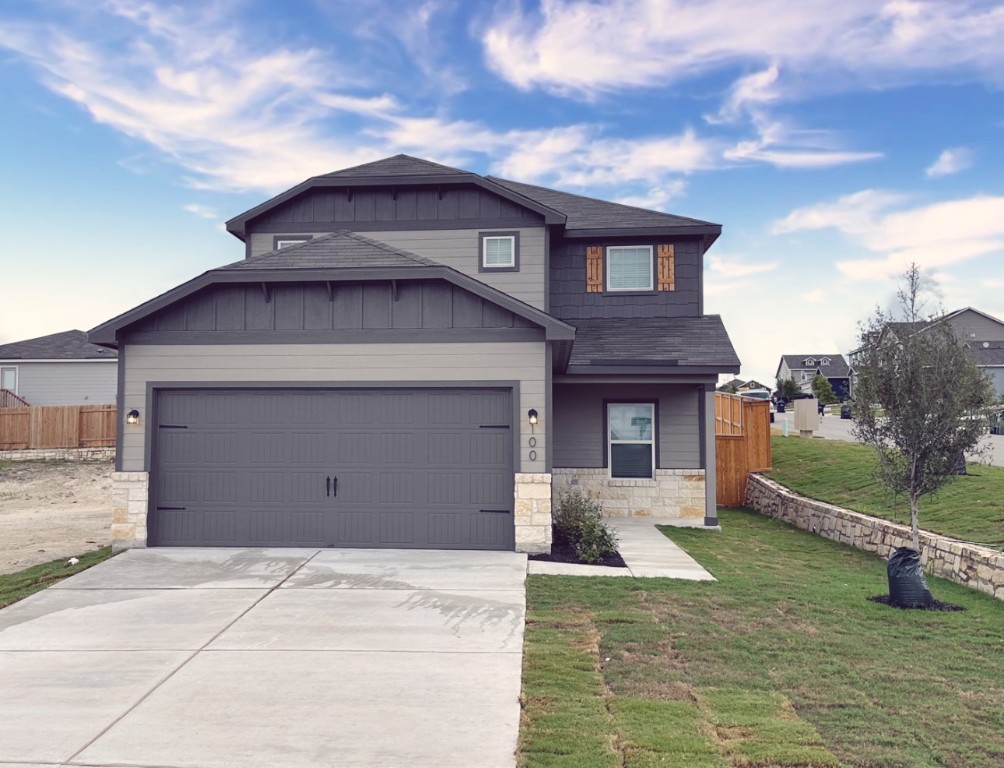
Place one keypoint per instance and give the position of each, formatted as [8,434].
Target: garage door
[424,468]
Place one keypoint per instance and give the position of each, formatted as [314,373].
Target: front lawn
[969,508]
[782,662]
[17,586]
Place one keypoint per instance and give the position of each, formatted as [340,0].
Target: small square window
[631,439]
[629,268]
[499,251]
[8,379]
[282,241]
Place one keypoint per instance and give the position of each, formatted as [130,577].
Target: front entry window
[631,438]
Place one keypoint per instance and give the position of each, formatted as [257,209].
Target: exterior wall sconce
[532,418]
[132,417]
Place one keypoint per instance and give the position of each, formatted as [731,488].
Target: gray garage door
[425,468]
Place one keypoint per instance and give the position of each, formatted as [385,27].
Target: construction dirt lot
[53,509]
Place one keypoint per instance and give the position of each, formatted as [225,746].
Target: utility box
[807,416]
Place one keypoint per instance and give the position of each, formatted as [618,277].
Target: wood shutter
[667,267]
[594,269]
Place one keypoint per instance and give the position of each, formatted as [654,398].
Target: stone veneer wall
[974,566]
[674,493]
[59,454]
[129,517]
[533,513]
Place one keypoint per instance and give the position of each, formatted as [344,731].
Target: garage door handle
[334,487]
[171,509]
[327,485]
[495,511]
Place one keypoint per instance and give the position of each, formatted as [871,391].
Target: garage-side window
[498,251]
[8,379]
[631,439]
[284,241]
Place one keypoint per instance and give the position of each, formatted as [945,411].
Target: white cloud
[950,161]
[586,48]
[202,211]
[933,236]
[734,267]
[814,296]
[656,198]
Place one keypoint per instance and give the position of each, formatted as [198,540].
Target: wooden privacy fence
[57,426]
[742,444]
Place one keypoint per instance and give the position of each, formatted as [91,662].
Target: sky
[836,143]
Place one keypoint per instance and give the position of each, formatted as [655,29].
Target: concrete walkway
[646,552]
[203,658]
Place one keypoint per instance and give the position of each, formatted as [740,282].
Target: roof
[589,213]
[645,344]
[837,369]
[68,345]
[581,216]
[339,250]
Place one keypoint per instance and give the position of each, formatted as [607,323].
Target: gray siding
[334,364]
[569,299]
[323,210]
[67,383]
[580,431]
[233,312]
[458,248]
[970,325]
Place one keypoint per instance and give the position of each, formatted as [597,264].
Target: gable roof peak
[397,165]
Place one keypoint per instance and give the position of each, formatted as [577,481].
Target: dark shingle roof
[68,345]
[342,250]
[987,352]
[399,165]
[837,368]
[590,213]
[672,341]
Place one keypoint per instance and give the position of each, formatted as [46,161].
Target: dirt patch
[53,509]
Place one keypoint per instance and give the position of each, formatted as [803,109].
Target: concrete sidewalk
[202,658]
[646,552]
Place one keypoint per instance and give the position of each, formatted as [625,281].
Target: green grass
[782,662]
[971,507]
[17,586]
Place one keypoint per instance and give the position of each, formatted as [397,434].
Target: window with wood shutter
[667,267]
[594,269]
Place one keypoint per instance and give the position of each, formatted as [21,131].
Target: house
[804,369]
[751,386]
[732,385]
[982,333]
[412,355]
[60,369]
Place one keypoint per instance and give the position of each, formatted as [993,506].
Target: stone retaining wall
[977,567]
[59,454]
[674,493]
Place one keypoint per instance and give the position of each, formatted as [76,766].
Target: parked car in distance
[846,409]
[760,394]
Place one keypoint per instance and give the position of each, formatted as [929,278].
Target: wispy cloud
[933,236]
[950,161]
[733,267]
[202,211]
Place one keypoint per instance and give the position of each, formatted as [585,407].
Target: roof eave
[682,370]
[712,231]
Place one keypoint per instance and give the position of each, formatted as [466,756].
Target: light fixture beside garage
[532,417]
[132,417]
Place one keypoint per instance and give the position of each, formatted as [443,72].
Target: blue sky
[835,142]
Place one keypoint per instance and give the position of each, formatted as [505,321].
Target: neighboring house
[980,332]
[732,385]
[751,385]
[412,355]
[804,368]
[61,369]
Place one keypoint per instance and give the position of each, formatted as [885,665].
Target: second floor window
[629,268]
[499,251]
[283,241]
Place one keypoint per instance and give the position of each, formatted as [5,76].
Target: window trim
[512,235]
[607,442]
[621,291]
[16,377]
[290,239]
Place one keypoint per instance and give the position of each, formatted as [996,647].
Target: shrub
[579,525]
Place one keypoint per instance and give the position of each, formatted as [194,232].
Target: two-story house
[804,369]
[412,355]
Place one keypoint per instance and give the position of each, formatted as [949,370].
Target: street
[835,428]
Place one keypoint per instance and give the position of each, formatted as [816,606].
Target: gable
[970,324]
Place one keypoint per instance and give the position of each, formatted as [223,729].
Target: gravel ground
[53,509]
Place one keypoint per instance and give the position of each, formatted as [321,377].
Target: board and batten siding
[67,383]
[580,431]
[337,365]
[458,248]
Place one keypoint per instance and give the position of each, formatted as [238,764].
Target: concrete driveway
[274,657]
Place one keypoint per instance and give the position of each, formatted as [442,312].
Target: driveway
[274,657]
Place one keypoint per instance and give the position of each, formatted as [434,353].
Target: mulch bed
[563,553]
[936,605]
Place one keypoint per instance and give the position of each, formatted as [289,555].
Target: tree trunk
[915,521]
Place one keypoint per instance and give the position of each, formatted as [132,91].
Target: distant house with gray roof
[804,369]
[59,369]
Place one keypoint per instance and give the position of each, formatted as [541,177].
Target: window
[825,361]
[629,268]
[631,439]
[498,252]
[8,379]
[284,241]
[808,361]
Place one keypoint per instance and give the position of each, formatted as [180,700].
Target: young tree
[920,398]
[787,388]
[823,390]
